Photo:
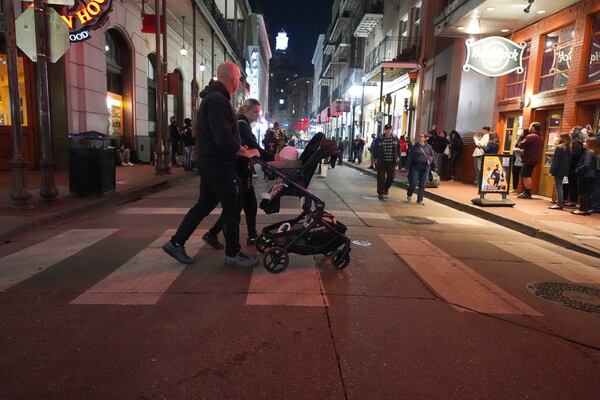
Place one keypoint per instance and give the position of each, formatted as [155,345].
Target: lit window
[515,83]
[557,59]
[281,101]
[593,72]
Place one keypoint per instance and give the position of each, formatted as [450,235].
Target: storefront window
[593,72]
[515,83]
[5,117]
[556,62]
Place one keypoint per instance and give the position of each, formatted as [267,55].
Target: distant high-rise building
[282,71]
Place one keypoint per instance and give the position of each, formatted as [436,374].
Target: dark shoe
[381,197]
[240,260]
[570,204]
[212,241]
[177,252]
[385,193]
[555,207]
[251,241]
[524,195]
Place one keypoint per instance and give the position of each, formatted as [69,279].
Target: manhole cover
[409,219]
[580,298]
[363,243]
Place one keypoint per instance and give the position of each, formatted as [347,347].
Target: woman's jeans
[418,176]
[560,197]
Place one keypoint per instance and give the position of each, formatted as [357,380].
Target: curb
[111,199]
[497,219]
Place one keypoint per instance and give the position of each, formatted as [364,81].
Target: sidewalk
[531,217]
[132,183]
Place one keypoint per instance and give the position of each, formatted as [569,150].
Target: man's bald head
[229,75]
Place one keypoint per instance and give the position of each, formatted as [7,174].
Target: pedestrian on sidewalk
[248,113]
[333,158]
[480,139]
[420,162]
[577,150]
[188,142]
[438,144]
[532,152]
[403,152]
[371,147]
[493,145]
[517,159]
[174,137]
[386,154]
[559,168]
[345,149]
[217,145]
[587,169]
[456,145]
[359,147]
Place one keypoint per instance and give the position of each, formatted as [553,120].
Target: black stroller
[313,231]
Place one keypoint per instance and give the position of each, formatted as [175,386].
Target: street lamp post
[158,143]
[20,196]
[165,92]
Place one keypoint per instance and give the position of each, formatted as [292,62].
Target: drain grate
[409,219]
[580,298]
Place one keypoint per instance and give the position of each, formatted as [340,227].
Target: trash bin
[91,163]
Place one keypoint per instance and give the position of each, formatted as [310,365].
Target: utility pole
[159,145]
[48,191]
[165,94]
[20,197]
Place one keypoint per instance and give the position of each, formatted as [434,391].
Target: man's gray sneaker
[177,252]
[241,260]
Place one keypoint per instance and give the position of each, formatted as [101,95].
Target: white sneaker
[130,164]
[409,198]
[421,203]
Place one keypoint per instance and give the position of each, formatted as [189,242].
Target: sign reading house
[85,16]
[494,56]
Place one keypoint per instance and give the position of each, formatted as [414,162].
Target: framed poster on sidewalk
[495,173]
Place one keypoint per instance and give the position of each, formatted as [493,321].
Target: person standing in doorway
[576,150]
[518,160]
[480,140]
[218,145]
[532,152]
[386,153]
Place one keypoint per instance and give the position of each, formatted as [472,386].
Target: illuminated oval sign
[494,56]
[83,17]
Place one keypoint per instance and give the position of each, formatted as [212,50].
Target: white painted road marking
[298,285]
[23,264]
[144,278]
[549,260]
[454,281]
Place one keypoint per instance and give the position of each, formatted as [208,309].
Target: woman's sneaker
[251,241]
[212,241]
[177,252]
[240,260]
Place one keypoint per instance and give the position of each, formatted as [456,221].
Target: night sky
[303,20]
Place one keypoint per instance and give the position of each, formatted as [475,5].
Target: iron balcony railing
[224,27]
[392,49]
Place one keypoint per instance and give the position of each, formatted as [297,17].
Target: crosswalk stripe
[551,261]
[143,279]
[298,285]
[454,281]
[25,263]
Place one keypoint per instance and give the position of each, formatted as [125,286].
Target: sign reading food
[494,56]
[85,16]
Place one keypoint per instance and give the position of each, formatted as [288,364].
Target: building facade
[107,83]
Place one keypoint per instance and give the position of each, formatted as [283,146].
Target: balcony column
[380,120]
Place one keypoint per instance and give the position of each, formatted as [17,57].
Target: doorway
[551,121]
[513,125]
[119,86]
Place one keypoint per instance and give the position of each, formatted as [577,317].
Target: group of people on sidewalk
[182,140]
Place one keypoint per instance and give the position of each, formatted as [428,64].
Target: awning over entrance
[493,17]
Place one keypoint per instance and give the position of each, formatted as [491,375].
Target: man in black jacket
[217,146]
[386,153]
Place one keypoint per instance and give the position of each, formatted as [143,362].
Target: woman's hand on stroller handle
[244,151]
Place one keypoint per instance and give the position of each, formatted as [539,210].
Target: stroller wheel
[275,260]
[262,243]
[341,259]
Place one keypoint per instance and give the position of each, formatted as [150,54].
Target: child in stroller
[313,231]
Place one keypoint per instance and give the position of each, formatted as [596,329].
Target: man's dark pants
[385,176]
[218,184]
[248,204]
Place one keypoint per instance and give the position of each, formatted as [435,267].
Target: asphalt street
[435,304]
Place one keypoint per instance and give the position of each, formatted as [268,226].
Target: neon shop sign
[82,17]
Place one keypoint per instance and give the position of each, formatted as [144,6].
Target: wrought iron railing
[392,49]
[224,27]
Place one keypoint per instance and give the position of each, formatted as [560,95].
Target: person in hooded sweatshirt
[217,146]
